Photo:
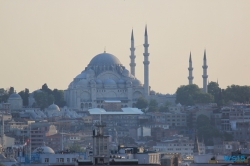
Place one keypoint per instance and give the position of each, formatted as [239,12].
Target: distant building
[15,101]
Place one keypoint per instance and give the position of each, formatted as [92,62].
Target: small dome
[98,83]
[109,83]
[82,75]
[125,72]
[121,83]
[44,150]
[136,82]
[53,107]
[83,83]
[15,96]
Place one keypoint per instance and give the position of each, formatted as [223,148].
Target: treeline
[43,98]
[192,94]
[151,106]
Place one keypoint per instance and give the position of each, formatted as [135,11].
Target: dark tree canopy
[191,94]
[237,93]
[208,132]
[4,95]
[141,103]
[165,106]
[25,96]
[215,91]
[153,106]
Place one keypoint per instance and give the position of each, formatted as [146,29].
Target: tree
[237,93]
[215,90]
[153,106]
[1,164]
[3,95]
[206,131]
[75,148]
[191,94]
[203,98]
[164,107]
[41,99]
[141,103]
[59,97]
[25,96]
[11,90]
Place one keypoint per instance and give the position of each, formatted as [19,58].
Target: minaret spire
[132,56]
[205,76]
[196,145]
[146,63]
[190,69]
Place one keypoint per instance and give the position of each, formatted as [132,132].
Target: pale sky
[52,41]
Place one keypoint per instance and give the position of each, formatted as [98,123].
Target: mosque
[105,78]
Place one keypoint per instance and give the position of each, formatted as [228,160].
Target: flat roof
[125,111]
[112,101]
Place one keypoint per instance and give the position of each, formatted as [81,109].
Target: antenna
[105,49]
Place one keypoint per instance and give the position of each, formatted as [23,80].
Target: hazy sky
[52,41]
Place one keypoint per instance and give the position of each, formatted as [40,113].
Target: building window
[46,160]
[68,160]
[73,159]
[57,160]
[61,160]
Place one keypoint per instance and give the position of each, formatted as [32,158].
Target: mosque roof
[125,111]
[44,150]
[53,107]
[104,59]
[15,96]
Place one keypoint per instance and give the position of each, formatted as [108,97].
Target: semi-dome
[83,83]
[121,83]
[53,107]
[82,75]
[98,83]
[15,96]
[109,83]
[104,59]
[44,150]
[136,82]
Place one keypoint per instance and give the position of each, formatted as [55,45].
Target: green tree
[59,97]
[11,90]
[75,148]
[165,106]
[237,93]
[3,95]
[215,90]
[25,96]
[41,99]
[1,164]
[203,98]
[191,94]
[141,103]
[206,131]
[153,106]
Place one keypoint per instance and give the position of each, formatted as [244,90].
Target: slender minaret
[146,63]
[196,145]
[132,56]
[205,76]
[190,69]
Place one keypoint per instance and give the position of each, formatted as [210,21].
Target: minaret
[205,76]
[146,63]
[190,69]
[132,56]
[196,145]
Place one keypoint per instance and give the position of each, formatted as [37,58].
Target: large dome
[104,59]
